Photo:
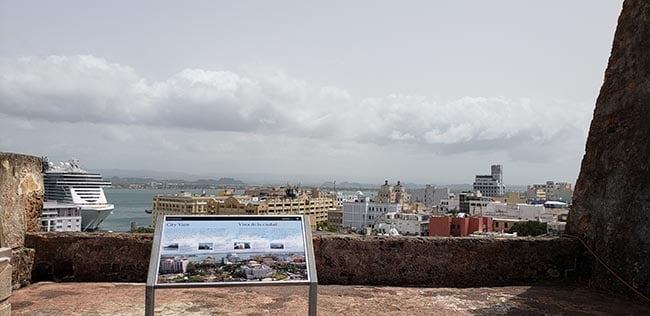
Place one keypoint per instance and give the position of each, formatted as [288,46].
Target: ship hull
[92,216]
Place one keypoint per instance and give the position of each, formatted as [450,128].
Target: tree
[529,228]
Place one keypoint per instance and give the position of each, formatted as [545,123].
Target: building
[458,226]
[449,205]
[60,217]
[183,203]
[335,218]
[550,191]
[430,196]
[363,214]
[511,197]
[492,184]
[392,194]
[176,265]
[526,212]
[504,224]
[405,224]
[187,204]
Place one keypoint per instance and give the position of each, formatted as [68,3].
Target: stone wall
[405,261]
[21,200]
[611,210]
[21,197]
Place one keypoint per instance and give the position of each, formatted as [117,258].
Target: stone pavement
[128,299]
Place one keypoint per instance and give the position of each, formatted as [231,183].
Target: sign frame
[152,275]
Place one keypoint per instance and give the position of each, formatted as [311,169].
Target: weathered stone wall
[21,200]
[611,210]
[21,197]
[93,257]
[406,261]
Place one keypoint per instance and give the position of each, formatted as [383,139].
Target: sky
[429,92]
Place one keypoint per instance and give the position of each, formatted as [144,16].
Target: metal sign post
[228,245]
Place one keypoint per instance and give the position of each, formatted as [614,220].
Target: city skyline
[424,93]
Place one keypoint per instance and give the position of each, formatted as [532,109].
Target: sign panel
[213,250]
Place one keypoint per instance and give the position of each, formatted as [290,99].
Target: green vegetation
[279,276]
[529,228]
[322,226]
[142,230]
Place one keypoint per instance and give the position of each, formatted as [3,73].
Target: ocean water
[130,206]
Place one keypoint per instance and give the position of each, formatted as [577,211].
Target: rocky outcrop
[405,261]
[611,210]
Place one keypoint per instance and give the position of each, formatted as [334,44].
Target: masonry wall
[340,259]
[21,199]
[611,210]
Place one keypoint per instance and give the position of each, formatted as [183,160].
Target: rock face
[611,209]
[21,197]
[404,261]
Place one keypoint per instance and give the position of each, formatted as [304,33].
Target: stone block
[5,278]
[5,308]
[5,252]
[22,261]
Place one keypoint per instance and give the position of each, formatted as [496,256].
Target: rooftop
[47,298]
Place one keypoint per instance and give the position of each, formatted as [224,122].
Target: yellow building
[504,224]
[179,204]
[187,204]
[316,208]
[511,198]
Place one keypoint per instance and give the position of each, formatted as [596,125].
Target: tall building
[492,184]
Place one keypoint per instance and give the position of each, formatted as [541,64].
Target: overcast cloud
[363,113]
[93,90]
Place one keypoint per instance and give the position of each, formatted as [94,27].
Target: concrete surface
[128,299]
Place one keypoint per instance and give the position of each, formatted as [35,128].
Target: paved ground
[128,299]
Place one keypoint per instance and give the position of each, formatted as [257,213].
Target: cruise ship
[66,182]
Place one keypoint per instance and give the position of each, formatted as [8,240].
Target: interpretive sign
[208,249]
[203,250]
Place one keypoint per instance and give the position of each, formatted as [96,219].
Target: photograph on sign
[232,249]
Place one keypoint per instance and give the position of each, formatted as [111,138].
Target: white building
[363,214]
[348,197]
[550,191]
[430,195]
[447,205]
[405,224]
[440,194]
[60,217]
[492,184]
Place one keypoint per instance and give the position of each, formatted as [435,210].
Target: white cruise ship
[67,183]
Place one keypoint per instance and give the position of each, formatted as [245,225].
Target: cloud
[270,102]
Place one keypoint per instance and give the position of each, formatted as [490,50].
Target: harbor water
[130,206]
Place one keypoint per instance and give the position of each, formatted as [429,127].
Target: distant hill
[222,182]
[349,185]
